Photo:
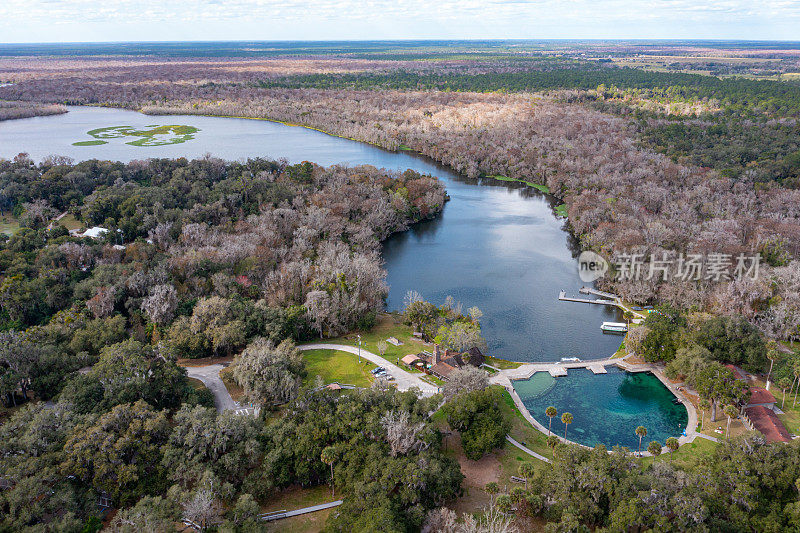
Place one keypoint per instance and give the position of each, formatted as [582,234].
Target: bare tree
[202,510]
[161,304]
[465,379]
[401,433]
[102,303]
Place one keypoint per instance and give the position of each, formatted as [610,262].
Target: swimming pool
[606,408]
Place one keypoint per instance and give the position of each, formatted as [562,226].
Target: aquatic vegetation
[157,135]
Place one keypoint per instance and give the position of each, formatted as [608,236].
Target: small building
[767,422]
[95,232]
[394,341]
[761,397]
[411,359]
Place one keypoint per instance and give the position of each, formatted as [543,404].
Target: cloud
[32,20]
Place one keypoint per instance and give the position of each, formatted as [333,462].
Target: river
[497,245]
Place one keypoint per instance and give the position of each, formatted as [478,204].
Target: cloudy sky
[171,20]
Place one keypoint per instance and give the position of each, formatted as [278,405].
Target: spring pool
[607,408]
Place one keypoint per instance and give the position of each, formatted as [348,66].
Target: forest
[218,258]
[724,181]
[208,258]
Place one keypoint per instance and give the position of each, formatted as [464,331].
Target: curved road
[405,380]
[209,375]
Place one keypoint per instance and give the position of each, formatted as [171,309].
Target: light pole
[359,349]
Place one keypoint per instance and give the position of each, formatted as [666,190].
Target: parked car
[378,369]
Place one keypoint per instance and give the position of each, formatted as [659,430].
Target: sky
[181,20]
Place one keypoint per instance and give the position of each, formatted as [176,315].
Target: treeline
[745,485]
[14,110]
[191,464]
[200,258]
[734,94]
[620,196]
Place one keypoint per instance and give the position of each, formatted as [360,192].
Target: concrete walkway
[505,377]
[405,380]
[526,449]
[209,375]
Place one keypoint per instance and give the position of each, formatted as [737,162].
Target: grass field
[297,498]
[391,325]
[388,326]
[541,188]
[8,224]
[334,365]
[687,455]
[70,222]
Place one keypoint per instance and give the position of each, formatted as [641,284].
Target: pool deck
[505,377]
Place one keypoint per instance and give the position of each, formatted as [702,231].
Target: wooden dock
[564,298]
[595,292]
[598,369]
[557,371]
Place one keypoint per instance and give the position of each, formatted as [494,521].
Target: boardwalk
[564,298]
[277,515]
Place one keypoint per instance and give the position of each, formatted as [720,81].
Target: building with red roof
[767,422]
[763,397]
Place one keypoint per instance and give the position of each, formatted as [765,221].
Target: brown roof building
[767,422]
[759,396]
[444,364]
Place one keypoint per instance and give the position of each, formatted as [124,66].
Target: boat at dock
[614,327]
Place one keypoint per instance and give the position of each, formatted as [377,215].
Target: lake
[497,245]
[606,408]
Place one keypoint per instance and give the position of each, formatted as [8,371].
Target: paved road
[405,380]
[209,375]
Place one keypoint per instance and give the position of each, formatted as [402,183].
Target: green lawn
[521,430]
[502,364]
[334,365]
[541,188]
[687,455]
[8,224]
[388,325]
[791,414]
[391,325]
[70,222]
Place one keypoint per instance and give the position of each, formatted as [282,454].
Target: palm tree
[641,431]
[772,354]
[783,384]
[566,418]
[550,412]
[552,442]
[328,456]
[731,412]
[491,489]
[796,371]
[704,406]
[654,448]
[672,446]
[527,471]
